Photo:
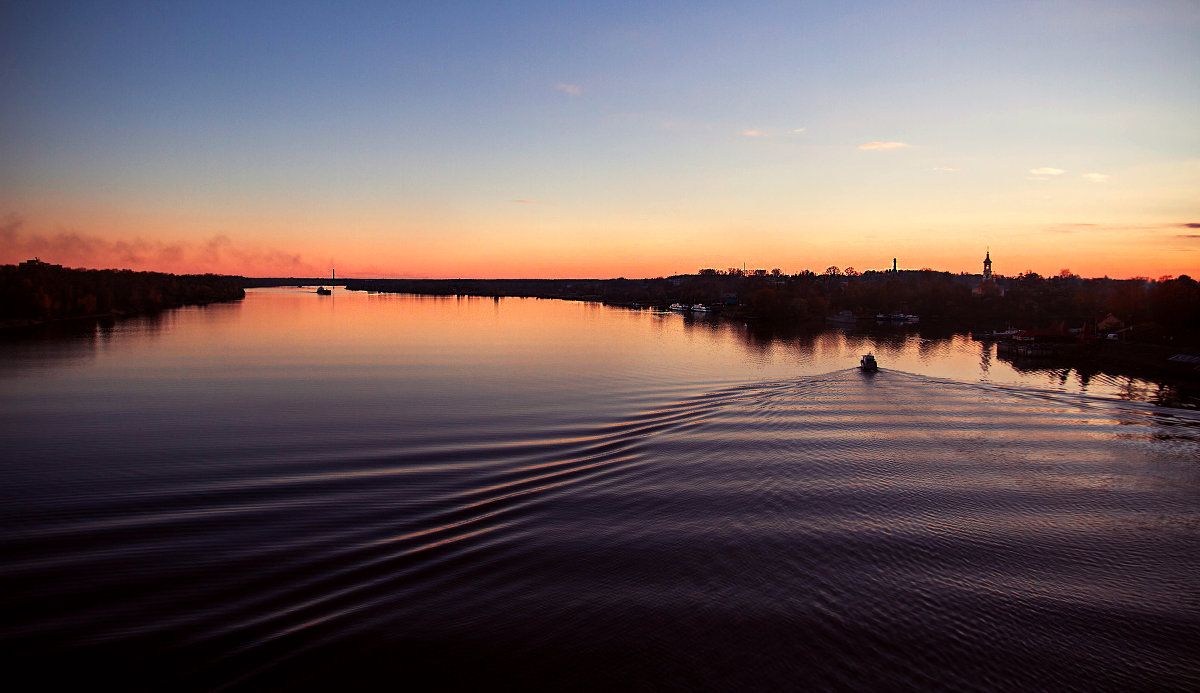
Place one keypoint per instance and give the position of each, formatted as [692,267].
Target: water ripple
[837,531]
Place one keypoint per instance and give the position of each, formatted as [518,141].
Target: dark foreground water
[405,493]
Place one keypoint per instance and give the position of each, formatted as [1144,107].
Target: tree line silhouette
[37,291]
[1147,310]
[1152,309]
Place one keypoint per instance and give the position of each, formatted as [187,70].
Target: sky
[550,139]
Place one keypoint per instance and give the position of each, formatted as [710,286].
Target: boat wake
[837,531]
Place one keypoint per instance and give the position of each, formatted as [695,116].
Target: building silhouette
[989,286]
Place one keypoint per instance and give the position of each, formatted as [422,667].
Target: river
[304,492]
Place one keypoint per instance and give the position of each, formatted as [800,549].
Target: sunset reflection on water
[272,493]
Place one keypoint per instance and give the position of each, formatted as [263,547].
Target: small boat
[679,308]
[328,292]
[700,308]
[867,363]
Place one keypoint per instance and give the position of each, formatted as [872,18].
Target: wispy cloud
[1096,177]
[770,132]
[1188,235]
[946,169]
[884,145]
[1046,171]
[218,254]
[1149,229]
[1191,225]
[569,89]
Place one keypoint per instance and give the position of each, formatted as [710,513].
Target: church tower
[987,265]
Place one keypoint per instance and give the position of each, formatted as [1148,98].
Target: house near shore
[37,264]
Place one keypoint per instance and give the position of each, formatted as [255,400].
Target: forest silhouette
[36,291]
[1168,308]
[1152,311]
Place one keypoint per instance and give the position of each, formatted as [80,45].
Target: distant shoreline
[1163,317]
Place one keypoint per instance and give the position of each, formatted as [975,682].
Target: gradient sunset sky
[522,139]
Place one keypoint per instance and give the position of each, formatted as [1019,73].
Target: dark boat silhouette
[327,292]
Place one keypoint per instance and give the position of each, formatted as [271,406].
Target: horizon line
[746,273]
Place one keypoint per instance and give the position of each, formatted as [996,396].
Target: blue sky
[630,139]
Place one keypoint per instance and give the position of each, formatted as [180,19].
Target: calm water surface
[303,492]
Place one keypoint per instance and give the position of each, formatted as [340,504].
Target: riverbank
[792,305]
[37,293]
[1167,309]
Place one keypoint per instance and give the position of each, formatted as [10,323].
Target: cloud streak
[755,132]
[884,145]
[1148,229]
[569,89]
[1096,177]
[1046,171]
[219,254]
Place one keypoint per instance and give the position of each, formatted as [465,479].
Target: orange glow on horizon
[366,246]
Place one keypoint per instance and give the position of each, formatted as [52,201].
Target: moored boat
[328,292]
